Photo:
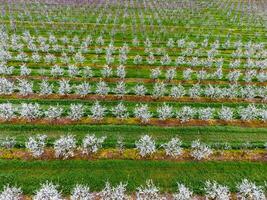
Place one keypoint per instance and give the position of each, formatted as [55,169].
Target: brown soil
[167,196]
[140,67]
[132,154]
[134,121]
[133,98]
[137,80]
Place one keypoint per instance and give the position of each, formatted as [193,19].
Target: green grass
[29,175]
[130,105]
[235,136]
[203,19]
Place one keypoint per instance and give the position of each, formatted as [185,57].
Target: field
[131,99]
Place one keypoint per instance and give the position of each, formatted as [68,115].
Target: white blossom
[50,59]
[195,91]
[233,76]
[8,142]
[165,60]
[249,75]
[98,111]
[186,113]
[106,71]
[57,71]
[6,86]
[65,146]
[25,87]
[248,113]
[215,191]
[177,91]
[109,58]
[205,113]
[202,75]
[187,74]
[137,60]
[46,88]
[262,113]
[36,145]
[64,87]
[248,190]
[22,57]
[88,72]
[24,70]
[36,57]
[120,89]
[165,111]
[147,43]
[155,73]
[65,59]
[200,150]
[159,90]
[6,70]
[180,60]
[102,88]
[7,111]
[48,191]
[183,193]
[79,58]
[226,113]
[53,112]
[148,192]
[135,41]
[113,193]
[120,144]
[73,71]
[145,145]
[170,43]
[70,48]
[151,59]
[122,58]
[81,192]
[30,111]
[140,90]
[170,74]
[100,41]
[141,112]
[91,144]
[11,193]
[121,72]
[76,111]
[173,147]
[83,89]
[120,111]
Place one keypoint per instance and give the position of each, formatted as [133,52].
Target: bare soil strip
[135,121]
[132,154]
[140,67]
[135,80]
[133,98]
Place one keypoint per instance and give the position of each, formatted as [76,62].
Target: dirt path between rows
[133,98]
[134,80]
[132,154]
[135,121]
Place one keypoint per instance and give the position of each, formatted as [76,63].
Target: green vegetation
[235,136]
[29,175]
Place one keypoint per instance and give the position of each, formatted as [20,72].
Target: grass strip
[29,175]
[235,136]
